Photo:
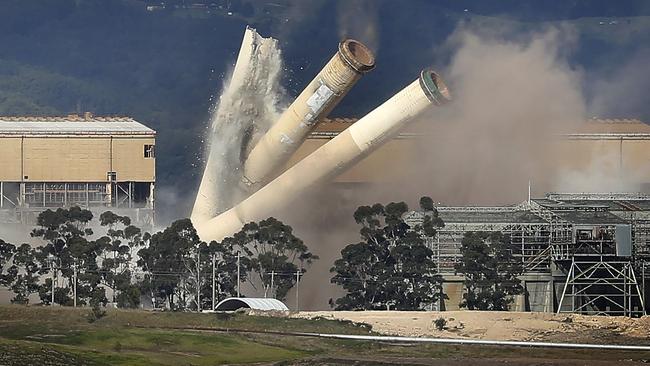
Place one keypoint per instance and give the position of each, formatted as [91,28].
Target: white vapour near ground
[247,107]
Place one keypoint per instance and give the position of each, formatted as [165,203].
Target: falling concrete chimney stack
[333,158]
[323,93]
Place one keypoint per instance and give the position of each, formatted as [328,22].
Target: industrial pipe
[352,60]
[334,157]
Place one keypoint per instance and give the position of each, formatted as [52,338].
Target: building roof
[480,215]
[234,303]
[614,126]
[495,217]
[592,128]
[610,201]
[72,125]
[591,217]
[616,205]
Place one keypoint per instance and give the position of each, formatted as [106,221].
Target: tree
[27,272]
[65,232]
[225,264]
[7,251]
[172,265]
[391,267]
[118,247]
[490,271]
[272,252]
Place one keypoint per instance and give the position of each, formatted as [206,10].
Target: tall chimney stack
[333,158]
[344,69]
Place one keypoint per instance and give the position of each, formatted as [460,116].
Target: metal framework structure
[584,253]
[602,287]
[30,198]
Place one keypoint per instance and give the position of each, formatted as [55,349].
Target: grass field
[64,336]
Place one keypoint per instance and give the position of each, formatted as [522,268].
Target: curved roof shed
[234,303]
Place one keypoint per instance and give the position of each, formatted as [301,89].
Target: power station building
[616,145]
[100,163]
[581,253]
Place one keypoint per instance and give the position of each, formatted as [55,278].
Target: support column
[21,204]
[643,285]
[109,194]
[152,203]
[2,195]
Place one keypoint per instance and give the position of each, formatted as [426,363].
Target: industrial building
[581,253]
[624,142]
[99,163]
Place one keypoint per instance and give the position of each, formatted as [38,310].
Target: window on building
[149,151]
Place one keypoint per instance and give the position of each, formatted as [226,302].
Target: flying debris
[267,190]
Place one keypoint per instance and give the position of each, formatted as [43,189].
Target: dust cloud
[513,100]
[247,107]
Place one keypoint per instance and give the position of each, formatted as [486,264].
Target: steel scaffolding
[595,245]
[602,287]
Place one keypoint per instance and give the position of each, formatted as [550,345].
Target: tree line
[391,267]
[173,268]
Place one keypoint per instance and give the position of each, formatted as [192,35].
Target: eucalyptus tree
[172,266]
[118,254]
[67,251]
[272,255]
[491,272]
[391,267]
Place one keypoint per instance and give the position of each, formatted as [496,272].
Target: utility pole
[272,273]
[213,280]
[238,275]
[198,280]
[297,289]
[74,283]
[53,276]
[51,259]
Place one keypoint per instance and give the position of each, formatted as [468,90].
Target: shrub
[440,323]
[96,313]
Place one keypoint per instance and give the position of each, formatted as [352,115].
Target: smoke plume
[513,99]
[358,19]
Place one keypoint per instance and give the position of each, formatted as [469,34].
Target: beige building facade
[51,162]
[618,146]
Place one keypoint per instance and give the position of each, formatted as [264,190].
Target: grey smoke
[359,19]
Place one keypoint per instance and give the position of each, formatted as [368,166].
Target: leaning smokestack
[250,78]
[331,159]
[352,60]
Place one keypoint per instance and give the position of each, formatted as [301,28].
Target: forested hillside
[164,66]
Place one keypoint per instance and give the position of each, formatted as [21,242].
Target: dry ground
[68,336]
[499,325]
